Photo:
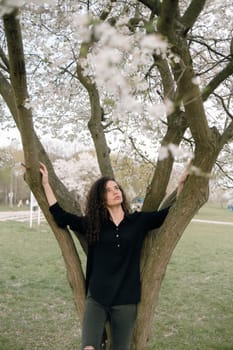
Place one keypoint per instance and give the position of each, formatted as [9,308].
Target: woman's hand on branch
[45,183]
[182,181]
[44,174]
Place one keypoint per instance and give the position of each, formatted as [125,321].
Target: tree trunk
[161,250]
[33,151]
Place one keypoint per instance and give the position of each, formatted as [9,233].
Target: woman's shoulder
[64,218]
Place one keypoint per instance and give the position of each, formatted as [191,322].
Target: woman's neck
[116,214]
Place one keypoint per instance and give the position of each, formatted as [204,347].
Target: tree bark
[33,152]
[95,123]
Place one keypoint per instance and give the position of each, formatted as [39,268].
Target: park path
[213,222]
[24,215]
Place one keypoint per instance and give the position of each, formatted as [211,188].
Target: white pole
[38,217]
[31,205]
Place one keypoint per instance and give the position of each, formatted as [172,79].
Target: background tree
[147,67]
[11,179]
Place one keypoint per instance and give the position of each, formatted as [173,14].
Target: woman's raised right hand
[44,174]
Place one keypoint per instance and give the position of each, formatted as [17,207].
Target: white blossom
[27,104]
[154,42]
[196,80]
[169,106]
[157,111]
[81,26]
[77,175]
[163,153]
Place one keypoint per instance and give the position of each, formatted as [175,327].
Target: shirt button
[117,235]
[118,245]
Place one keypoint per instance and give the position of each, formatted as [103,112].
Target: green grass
[36,307]
[214,211]
[14,208]
[195,309]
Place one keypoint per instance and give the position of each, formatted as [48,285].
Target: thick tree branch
[217,80]
[153,5]
[163,244]
[95,123]
[23,118]
[189,94]
[188,91]
[157,190]
[169,14]
[19,84]
[166,76]
[191,14]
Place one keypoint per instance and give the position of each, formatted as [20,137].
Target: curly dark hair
[96,212]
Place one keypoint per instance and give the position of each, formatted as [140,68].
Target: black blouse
[113,262]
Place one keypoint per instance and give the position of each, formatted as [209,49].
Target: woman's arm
[155,219]
[182,180]
[172,197]
[45,183]
[62,218]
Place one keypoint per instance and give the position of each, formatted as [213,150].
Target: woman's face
[113,194]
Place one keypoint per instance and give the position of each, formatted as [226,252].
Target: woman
[115,237]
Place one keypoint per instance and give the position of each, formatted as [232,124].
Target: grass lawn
[213,211]
[14,208]
[36,307]
[195,310]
